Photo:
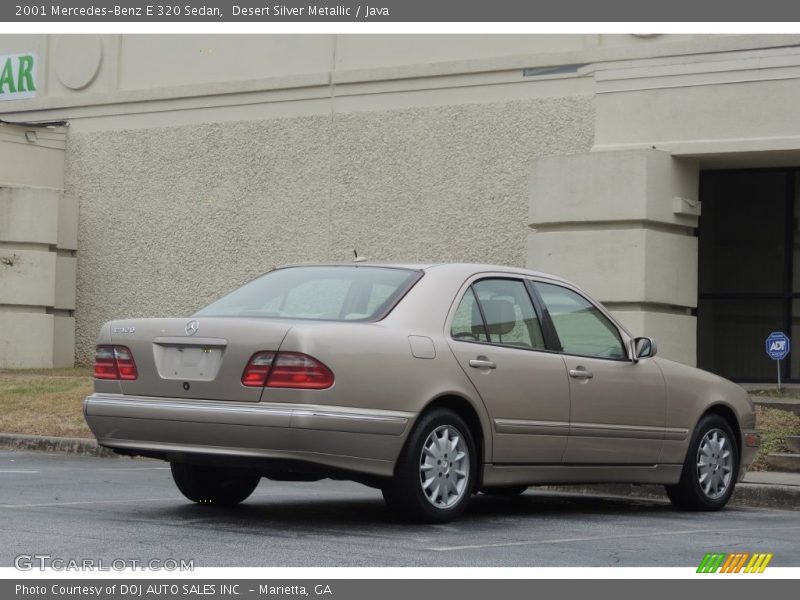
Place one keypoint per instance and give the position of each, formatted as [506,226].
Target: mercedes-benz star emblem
[192,327]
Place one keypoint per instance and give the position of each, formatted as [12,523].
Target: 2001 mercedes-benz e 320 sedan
[430,382]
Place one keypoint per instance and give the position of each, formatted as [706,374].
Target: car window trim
[551,338]
[551,325]
[483,315]
[469,287]
[471,290]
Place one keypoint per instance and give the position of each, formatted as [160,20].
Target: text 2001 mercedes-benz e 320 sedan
[430,382]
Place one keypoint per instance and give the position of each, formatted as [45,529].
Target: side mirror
[643,347]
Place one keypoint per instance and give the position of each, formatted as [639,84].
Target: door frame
[787,296]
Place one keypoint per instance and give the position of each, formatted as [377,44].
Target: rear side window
[582,329]
[319,293]
[498,311]
[509,314]
[467,322]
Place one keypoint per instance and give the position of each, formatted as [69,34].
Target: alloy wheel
[444,467]
[714,463]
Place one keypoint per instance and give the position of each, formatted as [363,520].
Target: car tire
[506,491]
[711,467]
[436,473]
[213,485]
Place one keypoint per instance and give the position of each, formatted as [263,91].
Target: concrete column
[621,226]
[38,242]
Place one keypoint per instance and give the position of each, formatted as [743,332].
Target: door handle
[581,373]
[482,363]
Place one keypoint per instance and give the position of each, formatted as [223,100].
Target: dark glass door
[747,283]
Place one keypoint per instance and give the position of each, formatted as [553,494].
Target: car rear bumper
[349,439]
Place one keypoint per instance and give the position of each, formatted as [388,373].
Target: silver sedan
[431,382]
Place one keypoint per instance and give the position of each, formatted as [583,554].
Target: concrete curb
[66,445]
[786,497]
[787,404]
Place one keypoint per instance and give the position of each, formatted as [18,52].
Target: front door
[496,336]
[618,407]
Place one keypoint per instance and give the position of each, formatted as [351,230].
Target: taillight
[287,370]
[295,370]
[114,362]
[105,367]
[256,372]
[125,363]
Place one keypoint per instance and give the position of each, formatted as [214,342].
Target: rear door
[496,335]
[618,407]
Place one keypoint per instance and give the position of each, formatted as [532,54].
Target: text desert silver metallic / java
[431,382]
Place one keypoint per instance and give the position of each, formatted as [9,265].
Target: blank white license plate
[190,363]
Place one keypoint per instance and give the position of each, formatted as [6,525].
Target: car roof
[457,267]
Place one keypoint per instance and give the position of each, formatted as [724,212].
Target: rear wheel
[709,473]
[214,485]
[436,472]
[506,491]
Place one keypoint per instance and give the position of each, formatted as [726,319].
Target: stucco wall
[172,217]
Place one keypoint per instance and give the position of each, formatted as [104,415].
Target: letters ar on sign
[778,345]
[17,76]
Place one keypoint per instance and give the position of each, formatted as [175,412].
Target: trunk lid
[199,358]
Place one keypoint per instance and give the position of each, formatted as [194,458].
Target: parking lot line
[87,502]
[123,469]
[602,538]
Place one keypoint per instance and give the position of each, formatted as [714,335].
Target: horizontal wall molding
[312,101]
[612,226]
[55,138]
[657,307]
[594,60]
[21,308]
[40,246]
[706,148]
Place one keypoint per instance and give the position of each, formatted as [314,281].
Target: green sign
[17,76]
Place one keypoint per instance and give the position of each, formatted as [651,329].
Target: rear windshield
[323,293]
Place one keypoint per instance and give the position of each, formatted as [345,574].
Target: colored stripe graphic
[730,563]
[711,562]
[758,563]
[714,562]
[740,564]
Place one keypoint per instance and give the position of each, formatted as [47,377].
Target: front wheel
[436,472]
[709,472]
[214,485]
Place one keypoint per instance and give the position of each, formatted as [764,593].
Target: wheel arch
[464,408]
[729,415]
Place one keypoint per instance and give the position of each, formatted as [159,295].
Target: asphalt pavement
[73,507]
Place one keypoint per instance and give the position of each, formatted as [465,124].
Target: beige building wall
[173,217]
[38,240]
[200,161]
[622,223]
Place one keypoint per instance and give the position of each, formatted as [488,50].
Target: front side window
[581,327]
[321,293]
